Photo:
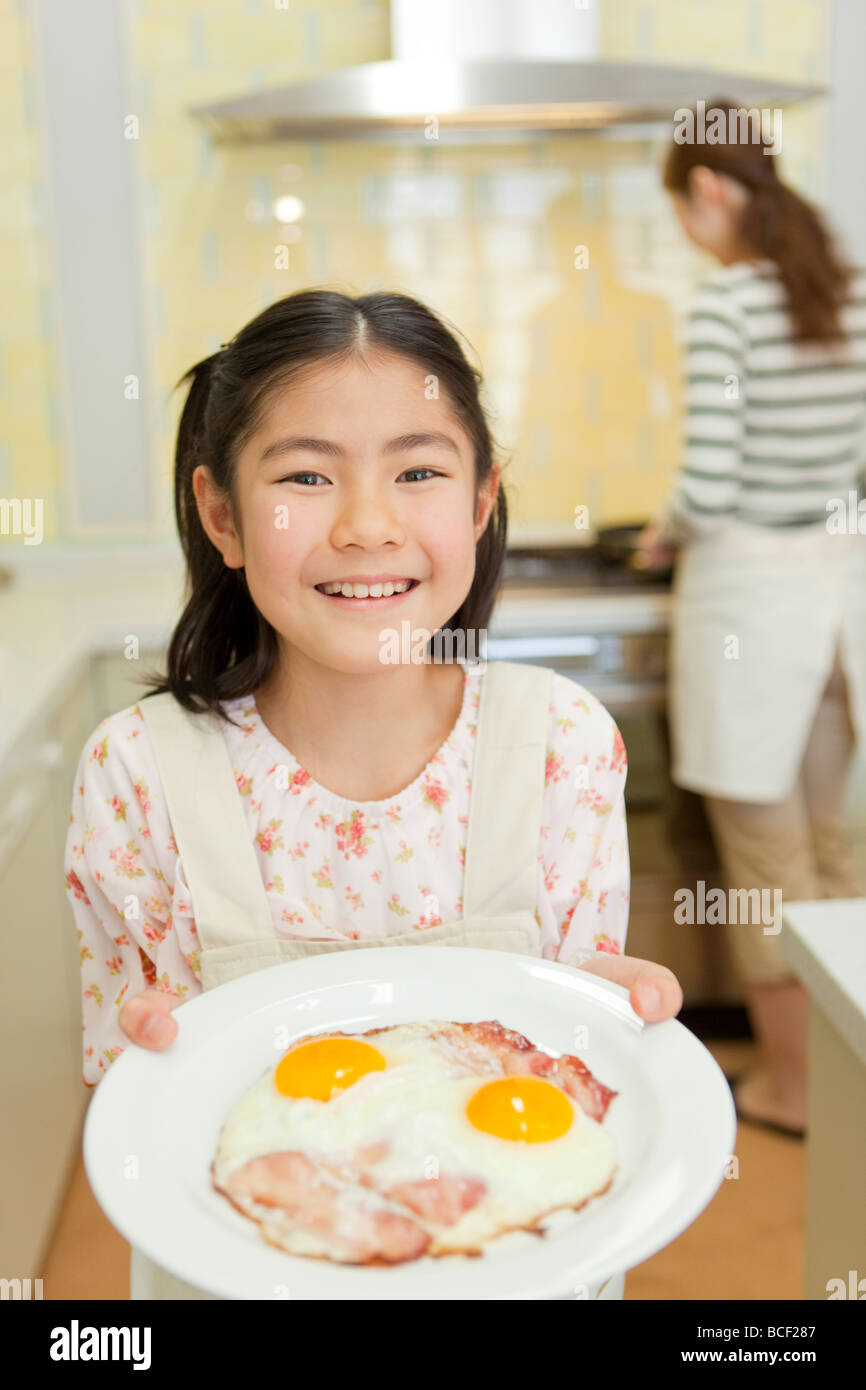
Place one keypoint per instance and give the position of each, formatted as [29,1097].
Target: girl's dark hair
[777,223]
[222,647]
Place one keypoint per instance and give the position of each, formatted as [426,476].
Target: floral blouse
[331,867]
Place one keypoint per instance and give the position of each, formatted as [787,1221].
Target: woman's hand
[651,552]
[146,1018]
[654,991]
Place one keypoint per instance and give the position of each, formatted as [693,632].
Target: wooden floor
[748,1243]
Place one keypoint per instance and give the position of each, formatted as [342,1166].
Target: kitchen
[535,219]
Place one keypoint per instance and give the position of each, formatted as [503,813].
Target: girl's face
[360,472]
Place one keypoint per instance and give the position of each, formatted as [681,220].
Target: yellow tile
[16,54]
[242,41]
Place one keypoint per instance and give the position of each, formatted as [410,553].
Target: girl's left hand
[654,991]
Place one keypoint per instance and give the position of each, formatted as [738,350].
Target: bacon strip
[442,1200]
[357,1231]
[519,1057]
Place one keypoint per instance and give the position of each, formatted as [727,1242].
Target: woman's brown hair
[777,223]
[222,647]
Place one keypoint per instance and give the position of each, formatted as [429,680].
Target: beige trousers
[799,846]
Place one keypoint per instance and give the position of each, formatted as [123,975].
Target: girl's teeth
[367,591]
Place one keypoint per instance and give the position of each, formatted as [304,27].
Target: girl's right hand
[146,1018]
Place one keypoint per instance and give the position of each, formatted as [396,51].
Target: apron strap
[508,777]
[229,901]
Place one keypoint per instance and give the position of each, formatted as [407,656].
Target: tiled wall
[581,364]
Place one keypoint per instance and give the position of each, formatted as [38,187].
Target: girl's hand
[146,1019]
[655,991]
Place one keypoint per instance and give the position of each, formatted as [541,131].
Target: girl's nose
[369,520]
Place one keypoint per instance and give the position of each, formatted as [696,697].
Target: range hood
[484,67]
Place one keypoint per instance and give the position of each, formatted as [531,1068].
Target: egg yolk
[521,1107]
[321,1069]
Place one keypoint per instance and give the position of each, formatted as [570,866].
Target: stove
[569,608]
[572,568]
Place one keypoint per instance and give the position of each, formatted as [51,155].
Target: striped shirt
[774,429]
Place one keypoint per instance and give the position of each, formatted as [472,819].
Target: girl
[289,788]
[776,390]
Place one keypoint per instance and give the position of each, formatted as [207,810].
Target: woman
[768,641]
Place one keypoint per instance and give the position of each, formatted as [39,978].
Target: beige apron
[756,617]
[232,914]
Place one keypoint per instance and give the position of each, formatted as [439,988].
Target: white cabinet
[41,1092]
[119,682]
[42,1096]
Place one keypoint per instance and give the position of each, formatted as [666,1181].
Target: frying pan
[617,546]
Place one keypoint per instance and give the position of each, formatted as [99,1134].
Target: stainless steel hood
[481,96]
[475,69]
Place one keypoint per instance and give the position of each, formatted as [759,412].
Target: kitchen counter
[67,604]
[825,942]
[590,611]
[55,615]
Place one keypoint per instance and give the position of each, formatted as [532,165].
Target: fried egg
[423,1138]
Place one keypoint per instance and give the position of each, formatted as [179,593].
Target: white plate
[154,1122]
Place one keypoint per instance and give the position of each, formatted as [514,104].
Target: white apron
[232,914]
[741,714]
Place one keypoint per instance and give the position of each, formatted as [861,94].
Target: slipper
[775,1126]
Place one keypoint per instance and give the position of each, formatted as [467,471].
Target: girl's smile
[378,592]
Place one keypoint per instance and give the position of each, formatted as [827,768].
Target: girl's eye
[430,471]
[296,477]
